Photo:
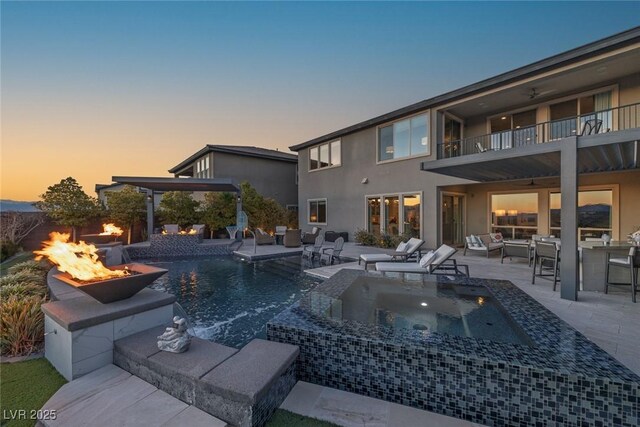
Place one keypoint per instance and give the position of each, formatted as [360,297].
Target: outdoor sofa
[483,243]
[310,238]
[264,238]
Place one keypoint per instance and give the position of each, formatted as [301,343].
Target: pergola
[153,184]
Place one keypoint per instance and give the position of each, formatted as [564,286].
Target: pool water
[230,301]
[461,310]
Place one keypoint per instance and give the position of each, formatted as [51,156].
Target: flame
[111,230]
[80,260]
[192,231]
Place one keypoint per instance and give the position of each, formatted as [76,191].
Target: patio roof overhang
[179,184]
[609,152]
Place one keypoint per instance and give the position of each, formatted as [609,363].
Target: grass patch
[21,257]
[283,418]
[27,385]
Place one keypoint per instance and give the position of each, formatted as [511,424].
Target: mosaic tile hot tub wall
[563,379]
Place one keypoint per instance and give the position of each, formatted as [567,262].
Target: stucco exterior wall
[346,194]
[271,178]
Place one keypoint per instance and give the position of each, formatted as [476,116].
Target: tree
[67,204]
[178,207]
[15,226]
[263,212]
[126,207]
[218,210]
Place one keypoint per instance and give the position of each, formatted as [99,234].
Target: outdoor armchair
[310,238]
[437,262]
[310,251]
[199,228]
[171,228]
[330,254]
[292,238]
[403,253]
[264,238]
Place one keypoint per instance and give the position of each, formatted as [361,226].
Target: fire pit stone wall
[178,245]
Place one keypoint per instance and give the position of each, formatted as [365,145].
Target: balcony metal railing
[611,120]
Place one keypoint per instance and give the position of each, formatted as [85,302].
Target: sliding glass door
[394,214]
[453,219]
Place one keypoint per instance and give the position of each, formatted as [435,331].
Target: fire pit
[118,288]
[111,233]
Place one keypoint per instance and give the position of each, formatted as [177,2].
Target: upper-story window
[404,138]
[202,168]
[325,155]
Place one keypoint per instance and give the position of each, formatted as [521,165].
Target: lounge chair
[310,238]
[264,238]
[171,228]
[401,254]
[292,238]
[481,243]
[330,254]
[199,228]
[431,263]
[310,251]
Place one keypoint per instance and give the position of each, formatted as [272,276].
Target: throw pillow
[427,259]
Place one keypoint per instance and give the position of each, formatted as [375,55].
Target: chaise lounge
[431,263]
[403,252]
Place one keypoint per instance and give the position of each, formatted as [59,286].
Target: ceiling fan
[534,93]
[532,183]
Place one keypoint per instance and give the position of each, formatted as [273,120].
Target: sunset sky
[92,90]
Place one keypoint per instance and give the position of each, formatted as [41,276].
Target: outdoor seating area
[483,243]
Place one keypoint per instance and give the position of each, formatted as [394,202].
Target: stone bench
[242,387]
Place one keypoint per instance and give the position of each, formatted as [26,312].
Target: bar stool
[546,253]
[632,262]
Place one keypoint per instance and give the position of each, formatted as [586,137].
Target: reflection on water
[230,301]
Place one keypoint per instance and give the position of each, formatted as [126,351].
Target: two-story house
[498,155]
[272,173]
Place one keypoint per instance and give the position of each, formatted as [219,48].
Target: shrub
[22,290]
[21,325]
[365,238]
[31,266]
[23,277]
[8,249]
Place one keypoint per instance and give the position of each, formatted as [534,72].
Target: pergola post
[569,265]
[239,219]
[150,206]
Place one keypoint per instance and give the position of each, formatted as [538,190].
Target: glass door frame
[464,213]
[383,218]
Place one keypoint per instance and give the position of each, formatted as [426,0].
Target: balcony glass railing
[611,120]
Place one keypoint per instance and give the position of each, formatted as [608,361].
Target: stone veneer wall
[563,379]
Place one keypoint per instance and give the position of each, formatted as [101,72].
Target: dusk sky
[92,90]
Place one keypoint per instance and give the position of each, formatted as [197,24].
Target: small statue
[175,339]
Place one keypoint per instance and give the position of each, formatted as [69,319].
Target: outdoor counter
[594,264]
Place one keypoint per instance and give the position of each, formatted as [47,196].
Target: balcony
[611,120]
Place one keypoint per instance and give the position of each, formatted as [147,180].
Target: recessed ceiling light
[424,304]
[503,118]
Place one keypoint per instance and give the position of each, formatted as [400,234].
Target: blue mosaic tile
[561,378]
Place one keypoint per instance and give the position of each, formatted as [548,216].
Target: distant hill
[16,206]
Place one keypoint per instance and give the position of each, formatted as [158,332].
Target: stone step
[242,387]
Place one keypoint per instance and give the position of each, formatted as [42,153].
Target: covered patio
[566,159]
[154,185]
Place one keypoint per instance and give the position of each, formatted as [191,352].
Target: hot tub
[480,350]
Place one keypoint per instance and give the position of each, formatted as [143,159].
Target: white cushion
[400,267]
[427,259]
[375,257]
[402,246]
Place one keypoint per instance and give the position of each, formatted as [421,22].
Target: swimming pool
[230,301]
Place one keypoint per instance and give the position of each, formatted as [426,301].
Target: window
[515,215]
[567,117]
[404,138]
[511,130]
[325,155]
[317,211]
[595,213]
[202,168]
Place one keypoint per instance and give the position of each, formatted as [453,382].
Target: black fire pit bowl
[119,288]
